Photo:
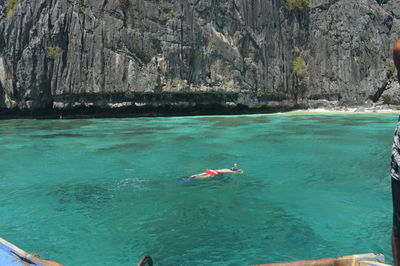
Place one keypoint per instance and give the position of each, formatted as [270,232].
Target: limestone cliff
[62,54]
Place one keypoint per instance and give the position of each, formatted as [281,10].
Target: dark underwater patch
[226,121]
[145,131]
[328,132]
[137,133]
[185,138]
[279,229]
[49,136]
[156,128]
[90,195]
[64,124]
[130,146]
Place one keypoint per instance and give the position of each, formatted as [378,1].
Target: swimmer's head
[235,167]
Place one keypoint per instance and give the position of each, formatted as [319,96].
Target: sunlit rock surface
[63,54]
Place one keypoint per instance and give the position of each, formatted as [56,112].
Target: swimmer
[211,173]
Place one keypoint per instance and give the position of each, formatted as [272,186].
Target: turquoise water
[107,191]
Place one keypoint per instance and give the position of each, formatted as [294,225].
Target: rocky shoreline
[147,111]
[118,110]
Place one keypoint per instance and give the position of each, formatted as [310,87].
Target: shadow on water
[213,223]
[138,132]
[235,121]
[45,125]
[98,196]
[185,138]
[151,129]
[361,122]
[49,136]
[89,195]
[127,146]
[343,119]
[329,132]
[64,124]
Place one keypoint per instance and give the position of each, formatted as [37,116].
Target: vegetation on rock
[299,66]
[51,52]
[296,4]
[11,4]
[170,14]
[391,67]
[237,35]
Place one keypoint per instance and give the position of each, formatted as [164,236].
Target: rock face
[62,54]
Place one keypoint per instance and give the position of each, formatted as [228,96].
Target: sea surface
[107,191]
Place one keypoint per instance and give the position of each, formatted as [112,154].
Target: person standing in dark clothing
[395,173]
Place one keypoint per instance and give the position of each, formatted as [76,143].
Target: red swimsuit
[212,172]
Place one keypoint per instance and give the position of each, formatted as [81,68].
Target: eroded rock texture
[117,53]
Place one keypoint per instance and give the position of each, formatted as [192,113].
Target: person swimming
[234,167]
[211,172]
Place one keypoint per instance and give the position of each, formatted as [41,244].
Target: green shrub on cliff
[51,52]
[170,14]
[237,35]
[296,4]
[11,4]
[391,67]
[299,66]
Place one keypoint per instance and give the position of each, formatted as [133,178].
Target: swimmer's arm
[225,171]
[238,172]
